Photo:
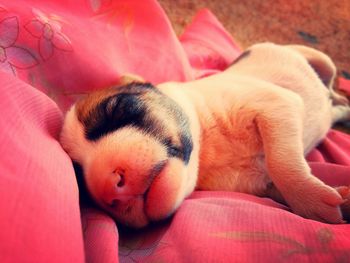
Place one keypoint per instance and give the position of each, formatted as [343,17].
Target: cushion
[40,217]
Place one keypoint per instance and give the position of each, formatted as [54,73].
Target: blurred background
[321,24]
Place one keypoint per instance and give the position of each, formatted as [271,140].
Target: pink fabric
[66,48]
[208,46]
[234,227]
[39,218]
[344,85]
[100,236]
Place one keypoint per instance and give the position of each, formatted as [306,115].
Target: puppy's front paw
[318,201]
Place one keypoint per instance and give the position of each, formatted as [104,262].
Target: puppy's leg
[281,132]
[320,62]
[325,69]
[273,193]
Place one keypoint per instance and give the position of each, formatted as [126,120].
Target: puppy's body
[248,127]
[230,106]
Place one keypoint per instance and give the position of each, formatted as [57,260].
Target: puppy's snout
[115,188]
[120,189]
[120,178]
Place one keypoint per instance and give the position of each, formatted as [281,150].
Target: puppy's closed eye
[174,151]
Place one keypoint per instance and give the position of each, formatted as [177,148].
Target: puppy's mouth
[155,172]
[130,208]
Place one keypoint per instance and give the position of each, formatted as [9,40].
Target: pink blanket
[51,52]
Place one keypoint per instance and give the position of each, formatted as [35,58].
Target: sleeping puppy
[143,149]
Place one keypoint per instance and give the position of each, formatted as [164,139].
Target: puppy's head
[134,145]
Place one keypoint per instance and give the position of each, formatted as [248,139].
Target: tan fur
[251,127]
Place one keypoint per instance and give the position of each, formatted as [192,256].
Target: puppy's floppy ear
[129,78]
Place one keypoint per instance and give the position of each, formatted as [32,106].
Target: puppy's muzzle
[117,187]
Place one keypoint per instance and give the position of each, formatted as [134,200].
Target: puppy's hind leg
[320,62]
[281,130]
[324,68]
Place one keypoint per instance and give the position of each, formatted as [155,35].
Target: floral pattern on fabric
[11,55]
[48,31]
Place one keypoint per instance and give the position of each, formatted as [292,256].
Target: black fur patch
[128,108]
[114,113]
[240,57]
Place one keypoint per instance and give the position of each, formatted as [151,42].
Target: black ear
[110,104]
[124,109]
[115,112]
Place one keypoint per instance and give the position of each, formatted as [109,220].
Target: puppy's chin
[139,183]
[129,213]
